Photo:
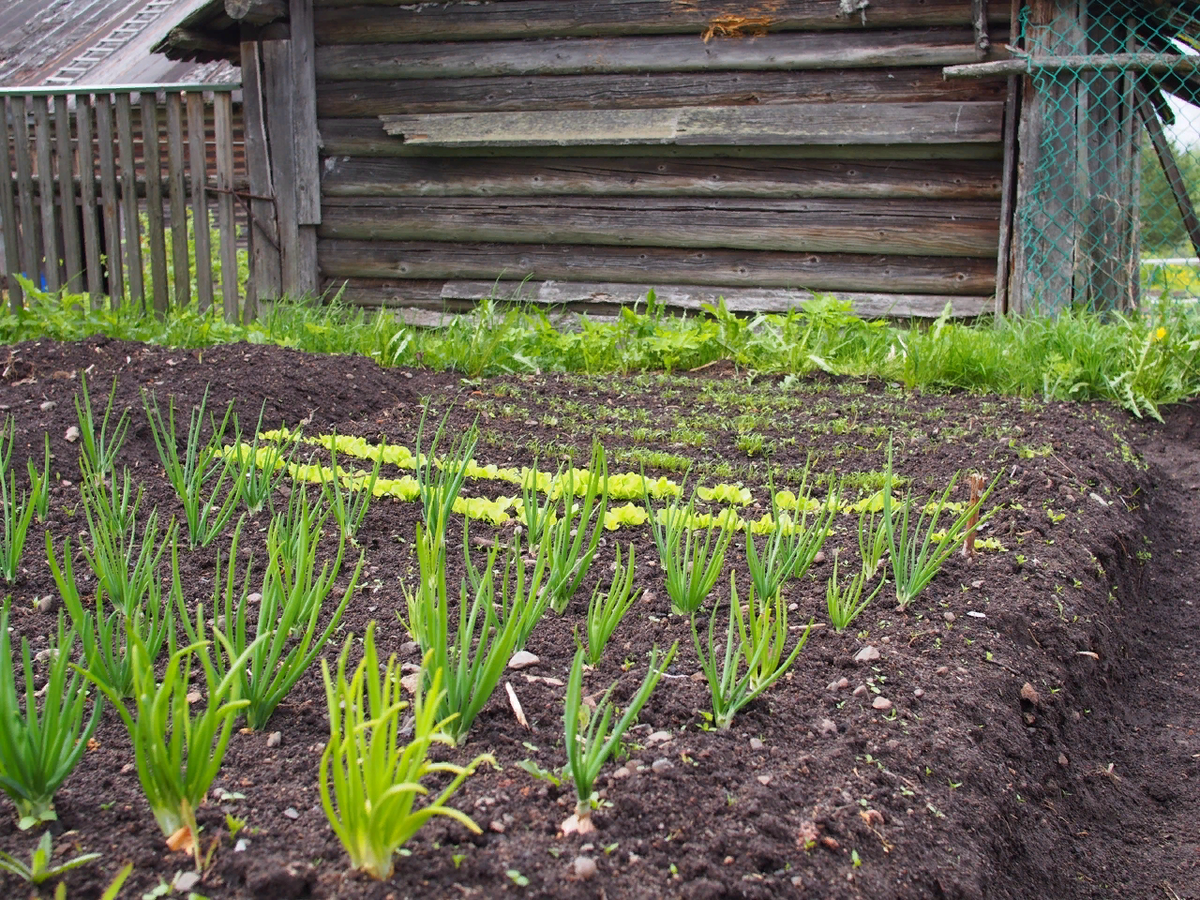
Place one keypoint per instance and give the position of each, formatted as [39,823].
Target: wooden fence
[107,185]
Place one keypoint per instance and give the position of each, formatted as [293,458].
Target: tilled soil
[1041,740]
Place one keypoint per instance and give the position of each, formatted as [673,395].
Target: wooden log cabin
[424,156]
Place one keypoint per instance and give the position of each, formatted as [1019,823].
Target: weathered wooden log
[518,93]
[638,176]
[655,265]
[893,227]
[190,40]
[367,21]
[607,298]
[256,12]
[594,56]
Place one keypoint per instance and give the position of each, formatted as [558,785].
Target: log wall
[756,150]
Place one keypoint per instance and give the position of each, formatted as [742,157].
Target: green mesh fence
[1110,151]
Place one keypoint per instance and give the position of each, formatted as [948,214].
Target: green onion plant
[39,483]
[690,557]
[369,780]
[349,502]
[261,477]
[758,640]
[203,464]
[790,546]
[440,482]
[872,542]
[591,735]
[100,446]
[39,750]
[536,513]
[571,546]
[846,602]
[607,609]
[39,870]
[15,514]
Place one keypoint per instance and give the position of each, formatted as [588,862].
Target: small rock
[1093,495]
[411,682]
[1063,761]
[194,697]
[659,737]
[977,584]
[883,704]
[755,744]
[241,845]
[410,647]
[661,765]
[185,881]
[699,677]
[976,615]
[523,659]
[840,685]
[254,598]
[622,772]
[949,616]
[291,813]
[860,691]
[47,604]
[764,780]
[866,654]
[728,861]
[1028,693]
[497,826]
[274,738]
[72,434]
[806,837]
[830,843]
[585,867]
[47,405]
[828,727]
[819,558]
[941,670]
[918,693]
[873,817]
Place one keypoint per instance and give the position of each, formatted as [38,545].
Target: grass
[1140,360]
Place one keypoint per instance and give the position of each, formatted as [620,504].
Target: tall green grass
[1140,360]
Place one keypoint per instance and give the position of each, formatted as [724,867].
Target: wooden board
[781,179]
[108,198]
[226,222]
[176,195]
[362,21]
[198,174]
[534,92]
[8,219]
[365,137]
[894,227]
[51,250]
[264,230]
[608,297]
[635,55]
[64,164]
[131,231]
[87,199]
[783,125]
[155,231]
[734,268]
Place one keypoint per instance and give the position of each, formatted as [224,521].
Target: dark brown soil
[1081,785]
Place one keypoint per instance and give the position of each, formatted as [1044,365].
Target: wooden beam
[858,123]
[787,52]
[307,142]
[190,40]
[895,227]
[256,12]
[1166,157]
[8,218]
[431,260]
[264,229]
[523,19]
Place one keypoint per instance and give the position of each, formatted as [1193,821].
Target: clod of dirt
[828,727]
[1028,693]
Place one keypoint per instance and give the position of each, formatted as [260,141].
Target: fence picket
[198,172]
[87,198]
[108,199]
[45,176]
[129,201]
[154,207]
[177,198]
[226,222]
[8,209]
[65,164]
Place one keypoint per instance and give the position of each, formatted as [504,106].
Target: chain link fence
[1110,139]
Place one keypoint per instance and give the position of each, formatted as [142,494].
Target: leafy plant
[758,641]
[845,603]
[105,638]
[100,448]
[201,462]
[606,610]
[369,781]
[691,559]
[178,753]
[39,870]
[472,660]
[589,749]
[39,751]
[916,556]
[15,515]
[571,549]
[285,640]
[349,505]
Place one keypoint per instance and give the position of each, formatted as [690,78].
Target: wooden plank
[109,199]
[198,175]
[1012,112]
[633,55]
[894,227]
[92,246]
[226,223]
[51,251]
[65,164]
[277,74]
[1166,157]
[365,137]
[634,176]
[858,123]
[264,230]
[177,198]
[434,260]
[256,12]
[155,232]
[364,21]
[129,201]
[22,141]
[8,218]
[304,118]
[519,93]
[610,297]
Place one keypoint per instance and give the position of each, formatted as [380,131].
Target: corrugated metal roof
[66,42]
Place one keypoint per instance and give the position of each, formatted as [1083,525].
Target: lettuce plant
[369,780]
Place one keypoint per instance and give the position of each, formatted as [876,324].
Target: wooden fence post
[8,209]
[198,173]
[87,199]
[307,141]
[65,152]
[264,231]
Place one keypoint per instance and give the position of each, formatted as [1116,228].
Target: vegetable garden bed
[979,742]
